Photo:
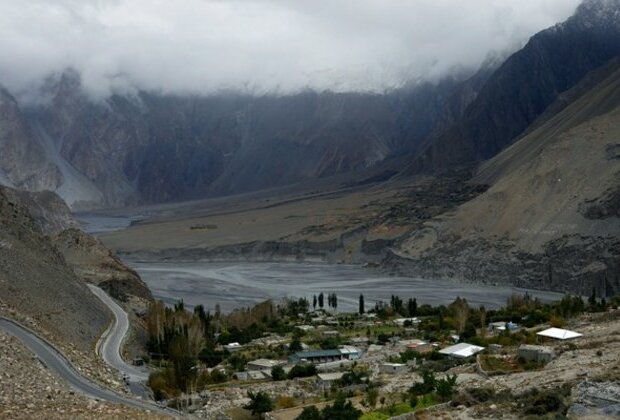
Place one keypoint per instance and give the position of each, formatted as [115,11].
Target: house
[334,366]
[375,348]
[416,345]
[326,356]
[264,364]
[392,368]
[316,356]
[461,350]
[305,328]
[495,348]
[328,380]
[401,322]
[559,334]
[502,326]
[540,354]
[233,347]
[350,352]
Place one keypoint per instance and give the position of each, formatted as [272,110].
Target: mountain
[36,281]
[549,219]
[522,88]
[151,147]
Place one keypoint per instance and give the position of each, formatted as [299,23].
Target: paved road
[112,341]
[54,360]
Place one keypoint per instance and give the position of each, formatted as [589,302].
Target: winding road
[52,359]
[110,344]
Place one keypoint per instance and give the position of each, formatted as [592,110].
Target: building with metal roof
[559,334]
[461,350]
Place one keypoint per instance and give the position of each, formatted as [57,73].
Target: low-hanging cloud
[201,46]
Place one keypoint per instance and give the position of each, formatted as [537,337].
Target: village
[396,360]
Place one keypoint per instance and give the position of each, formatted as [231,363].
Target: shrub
[259,403]
[342,409]
[446,387]
[302,371]
[285,401]
[277,373]
[309,413]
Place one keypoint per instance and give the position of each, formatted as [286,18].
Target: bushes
[310,413]
[426,386]
[539,403]
[446,387]
[160,382]
[302,371]
[259,403]
[277,373]
[341,409]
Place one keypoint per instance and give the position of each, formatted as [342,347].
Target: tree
[321,297]
[310,413]
[342,409]
[446,387]
[397,304]
[295,345]
[592,299]
[460,309]
[302,371]
[371,396]
[314,302]
[412,307]
[361,309]
[277,373]
[335,301]
[426,386]
[483,321]
[260,403]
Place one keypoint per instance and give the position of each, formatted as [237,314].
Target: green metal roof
[318,353]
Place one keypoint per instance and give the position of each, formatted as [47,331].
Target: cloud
[201,46]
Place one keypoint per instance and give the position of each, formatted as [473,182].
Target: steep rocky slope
[94,263]
[524,86]
[150,147]
[549,219]
[36,280]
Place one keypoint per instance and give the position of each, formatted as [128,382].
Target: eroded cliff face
[524,86]
[23,162]
[550,217]
[149,148]
[36,280]
[94,263]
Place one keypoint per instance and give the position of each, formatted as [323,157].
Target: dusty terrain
[29,391]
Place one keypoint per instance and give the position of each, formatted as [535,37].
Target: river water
[235,285]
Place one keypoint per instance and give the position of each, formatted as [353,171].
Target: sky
[277,46]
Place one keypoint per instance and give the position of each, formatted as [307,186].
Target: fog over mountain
[201,46]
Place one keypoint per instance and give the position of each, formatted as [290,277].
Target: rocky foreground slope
[36,279]
[30,391]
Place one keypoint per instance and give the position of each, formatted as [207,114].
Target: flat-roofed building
[264,364]
[392,368]
[531,353]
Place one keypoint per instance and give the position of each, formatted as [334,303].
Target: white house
[327,380]
[559,334]
[392,368]
[233,347]
[461,350]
